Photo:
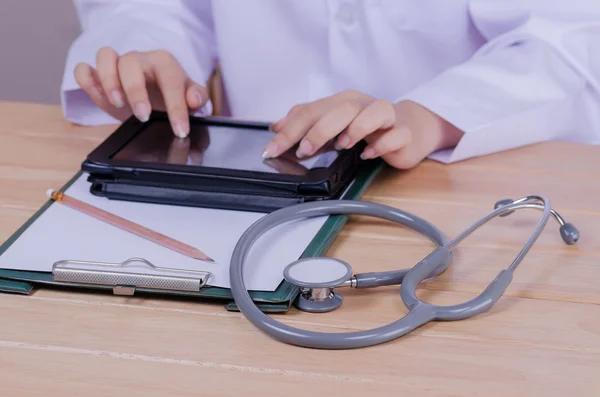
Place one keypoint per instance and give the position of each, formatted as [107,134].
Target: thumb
[196,95]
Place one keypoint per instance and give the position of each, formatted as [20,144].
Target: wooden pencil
[131,227]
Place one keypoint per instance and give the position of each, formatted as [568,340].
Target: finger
[84,76]
[173,83]
[133,81]
[297,123]
[196,95]
[327,101]
[106,65]
[302,117]
[289,156]
[379,115]
[329,126]
[404,158]
[88,80]
[386,142]
[293,127]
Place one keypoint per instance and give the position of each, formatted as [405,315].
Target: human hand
[137,82]
[402,134]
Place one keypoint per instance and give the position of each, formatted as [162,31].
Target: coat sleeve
[537,78]
[140,25]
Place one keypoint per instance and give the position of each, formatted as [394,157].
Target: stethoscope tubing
[435,263]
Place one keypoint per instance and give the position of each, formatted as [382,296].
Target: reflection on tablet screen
[217,147]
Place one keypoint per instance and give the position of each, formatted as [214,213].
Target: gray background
[35,36]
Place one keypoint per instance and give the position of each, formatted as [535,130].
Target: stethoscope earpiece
[569,233]
[503,203]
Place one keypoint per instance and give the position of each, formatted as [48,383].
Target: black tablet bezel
[320,181]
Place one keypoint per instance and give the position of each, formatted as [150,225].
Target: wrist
[449,135]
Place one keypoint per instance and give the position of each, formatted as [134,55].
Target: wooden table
[541,339]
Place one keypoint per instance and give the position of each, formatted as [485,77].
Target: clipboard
[278,301]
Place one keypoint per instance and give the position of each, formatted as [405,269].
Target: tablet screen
[217,147]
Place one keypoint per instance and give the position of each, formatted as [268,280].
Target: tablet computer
[218,165]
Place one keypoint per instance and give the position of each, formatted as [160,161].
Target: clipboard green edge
[278,301]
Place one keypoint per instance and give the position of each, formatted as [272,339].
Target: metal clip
[125,281]
[126,291]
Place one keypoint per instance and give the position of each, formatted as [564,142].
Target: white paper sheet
[62,233]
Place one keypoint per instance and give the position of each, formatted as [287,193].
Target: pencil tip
[204,258]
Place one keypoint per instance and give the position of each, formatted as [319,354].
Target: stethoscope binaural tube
[435,263]
[497,287]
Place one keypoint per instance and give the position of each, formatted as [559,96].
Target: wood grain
[542,338]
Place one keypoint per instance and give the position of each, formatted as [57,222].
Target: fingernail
[181,129]
[368,153]
[117,99]
[304,149]
[141,112]
[270,151]
[200,97]
[342,142]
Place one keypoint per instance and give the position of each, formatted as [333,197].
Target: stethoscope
[318,278]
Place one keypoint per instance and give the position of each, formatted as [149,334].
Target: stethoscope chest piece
[316,278]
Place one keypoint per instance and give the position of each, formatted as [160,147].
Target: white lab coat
[506,72]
